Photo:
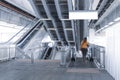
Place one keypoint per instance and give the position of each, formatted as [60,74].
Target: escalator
[48,53]
[28,36]
[43,53]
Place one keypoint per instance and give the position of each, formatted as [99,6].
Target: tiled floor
[47,70]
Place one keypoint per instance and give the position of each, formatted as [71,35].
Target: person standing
[83,47]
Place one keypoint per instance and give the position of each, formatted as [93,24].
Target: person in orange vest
[83,47]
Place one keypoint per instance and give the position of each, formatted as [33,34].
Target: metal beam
[55,26]
[70,8]
[34,8]
[50,16]
[46,9]
[60,17]
[47,29]
[10,6]
[39,16]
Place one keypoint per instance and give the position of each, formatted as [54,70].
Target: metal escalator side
[48,53]
[28,32]
[27,37]
[44,52]
[54,53]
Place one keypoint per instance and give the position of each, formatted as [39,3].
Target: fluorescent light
[80,15]
[103,28]
[51,29]
[111,23]
[45,19]
[117,19]
[70,41]
[106,26]
[68,29]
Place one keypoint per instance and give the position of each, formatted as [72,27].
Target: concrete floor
[48,70]
[79,63]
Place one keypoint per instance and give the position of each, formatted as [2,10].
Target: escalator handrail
[18,32]
[19,42]
[48,55]
[27,31]
[45,53]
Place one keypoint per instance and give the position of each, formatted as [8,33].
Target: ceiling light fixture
[117,19]
[83,15]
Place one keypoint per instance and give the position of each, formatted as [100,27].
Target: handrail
[98,54]
[65,57]
[37,23]
[26,27]
[46,52]
[18,32]
[22,52]
[6,53]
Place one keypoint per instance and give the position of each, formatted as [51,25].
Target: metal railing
[98,54]
[65,56]
[7,52]
[29,53]
[21,54]
[9,49]
[29,34]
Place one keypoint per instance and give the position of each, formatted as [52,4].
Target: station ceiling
[55,15]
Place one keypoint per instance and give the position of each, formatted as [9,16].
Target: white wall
[110,39]
[98,39]
[113,50]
